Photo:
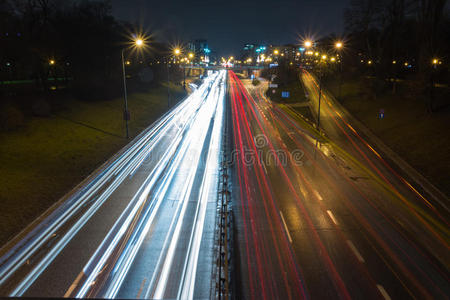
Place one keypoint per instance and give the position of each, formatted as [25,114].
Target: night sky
[228,25]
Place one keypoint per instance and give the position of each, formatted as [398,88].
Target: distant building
[253,52]
[201,50]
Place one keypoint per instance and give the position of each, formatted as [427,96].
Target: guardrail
[223,270]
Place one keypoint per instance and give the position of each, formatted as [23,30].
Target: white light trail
[119,169]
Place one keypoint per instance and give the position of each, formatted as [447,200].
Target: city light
[177,51]
[308,44]
[51,62]
[338,45]
[435,61]
[139,42]
[276,52]
[191,55]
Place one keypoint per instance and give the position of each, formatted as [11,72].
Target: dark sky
[228,25]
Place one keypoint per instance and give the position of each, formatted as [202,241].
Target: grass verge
[420,138]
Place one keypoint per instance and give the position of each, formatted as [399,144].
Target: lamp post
[126,113]
[320,97]
[434,64]
[338,45]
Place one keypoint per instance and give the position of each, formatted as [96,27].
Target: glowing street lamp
[177,51]
[276,52]
[191,55]
[139,42]
[126,114]
[308,44]
[51,62]
[338,45]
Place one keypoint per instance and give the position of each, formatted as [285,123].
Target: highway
[318,214]
[142,226]
[324,215]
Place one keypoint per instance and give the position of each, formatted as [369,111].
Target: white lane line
[74,285]
[265,169]
[318,195]
[141,288]
[285,227]
[355,251]
[332,217]
[383,292]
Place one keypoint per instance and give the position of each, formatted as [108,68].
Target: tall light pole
[126,113]
[324,57]
[176,53]
[338,46]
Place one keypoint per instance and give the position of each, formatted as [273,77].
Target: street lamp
[126,114]
[338,45]
[177,52]
[308,44]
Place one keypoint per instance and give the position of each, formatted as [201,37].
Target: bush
[10,118]
[255,82]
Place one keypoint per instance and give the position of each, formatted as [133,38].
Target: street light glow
[308,44]
[435,61]
[338,45]
[139,42]
[51,62]
[191,55]
[177,51]
[276,52]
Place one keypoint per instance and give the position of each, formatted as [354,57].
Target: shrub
[255,82]
[10,118]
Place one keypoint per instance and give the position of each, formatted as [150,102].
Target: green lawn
[417,136]
[295,89]
[44,159]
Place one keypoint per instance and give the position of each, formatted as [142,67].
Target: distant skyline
[228,25]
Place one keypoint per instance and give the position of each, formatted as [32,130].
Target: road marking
[355,251]
[318,195]
[383,292]
[332,217]
[74,285]
[285,227]
[265,169]
[141,288]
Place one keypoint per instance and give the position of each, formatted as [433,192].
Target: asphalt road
[326,216]
[142,226]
